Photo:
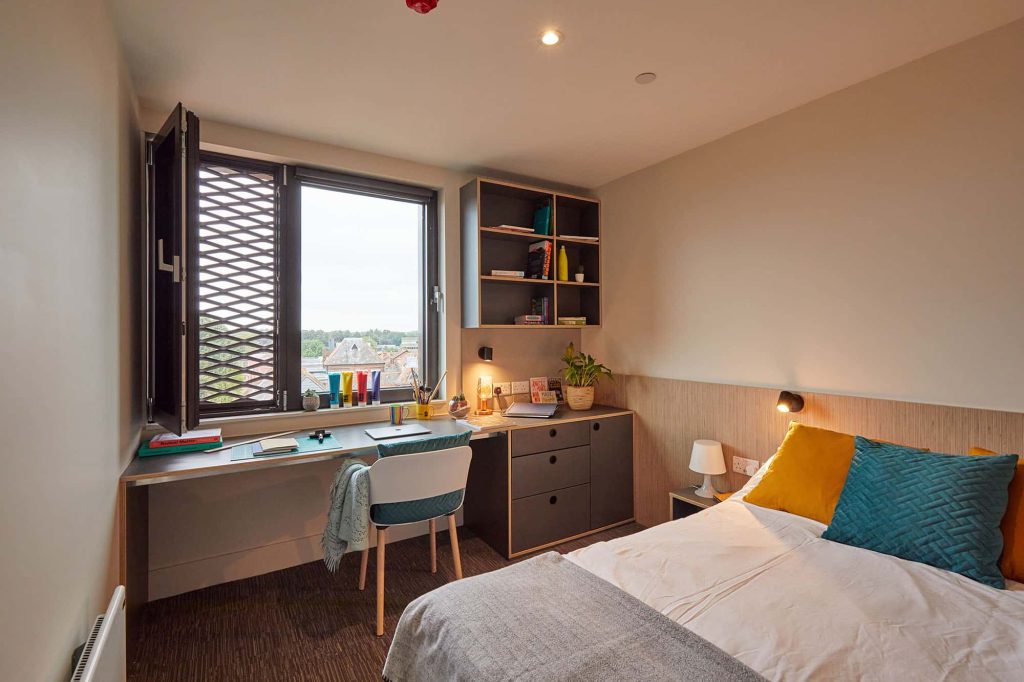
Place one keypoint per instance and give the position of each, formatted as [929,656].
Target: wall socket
[520,387]
[503,389]
[747,467]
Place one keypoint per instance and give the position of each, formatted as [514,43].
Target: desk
[146,471]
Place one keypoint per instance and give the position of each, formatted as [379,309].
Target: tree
[313,348]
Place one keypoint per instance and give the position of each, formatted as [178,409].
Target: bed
[765,589]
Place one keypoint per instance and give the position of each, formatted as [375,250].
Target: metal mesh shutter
[237,280]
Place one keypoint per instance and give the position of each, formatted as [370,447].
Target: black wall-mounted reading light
[486,353]
[789,402]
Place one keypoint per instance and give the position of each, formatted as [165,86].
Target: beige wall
[868,243]
[211,531]
[68,244]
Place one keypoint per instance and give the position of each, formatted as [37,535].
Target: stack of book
[190,441]
[538,261]
[514,274]
[529,319]
[572,321]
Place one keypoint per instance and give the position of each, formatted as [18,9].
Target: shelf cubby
[494,302]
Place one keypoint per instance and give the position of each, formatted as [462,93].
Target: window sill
[276,422]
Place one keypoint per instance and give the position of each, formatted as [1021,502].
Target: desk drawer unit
[553,437]
[546,471]
[549,517]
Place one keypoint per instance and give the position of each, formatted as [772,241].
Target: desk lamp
[707,458]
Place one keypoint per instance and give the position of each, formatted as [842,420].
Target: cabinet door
[611,470]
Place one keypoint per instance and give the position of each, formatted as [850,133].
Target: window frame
[296,178]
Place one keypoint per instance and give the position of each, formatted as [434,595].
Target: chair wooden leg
[382,539]
[433,545]
[455,546]
[363,560]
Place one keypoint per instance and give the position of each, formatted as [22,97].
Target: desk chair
[410,489]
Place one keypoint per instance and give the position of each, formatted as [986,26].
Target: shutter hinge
[149,409]
[183,327]
[284,177]
[184,120]
[438,299]
[284,400]
[149,153]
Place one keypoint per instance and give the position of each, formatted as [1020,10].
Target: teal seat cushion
[941,510]
[395,513]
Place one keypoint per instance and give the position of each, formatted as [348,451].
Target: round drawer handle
[553,432]
[553,459]
[597,426]
[553,499]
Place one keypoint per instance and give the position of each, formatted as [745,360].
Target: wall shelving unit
[494,302]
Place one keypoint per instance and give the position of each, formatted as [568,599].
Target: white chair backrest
[401,478]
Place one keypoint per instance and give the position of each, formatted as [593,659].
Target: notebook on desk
[534,410]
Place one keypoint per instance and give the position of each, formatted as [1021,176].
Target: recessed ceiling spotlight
[645,78]
[550,38]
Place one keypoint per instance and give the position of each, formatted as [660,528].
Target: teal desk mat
[306,445]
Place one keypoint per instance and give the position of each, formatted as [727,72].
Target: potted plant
[310,400]
[458,406]
[582,372]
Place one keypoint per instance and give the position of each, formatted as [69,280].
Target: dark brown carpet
[301,623]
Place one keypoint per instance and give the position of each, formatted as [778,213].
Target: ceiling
[470,87]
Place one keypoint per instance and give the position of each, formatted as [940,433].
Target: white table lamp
[707,458]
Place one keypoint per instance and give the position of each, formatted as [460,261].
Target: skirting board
[171,580]
[672,413]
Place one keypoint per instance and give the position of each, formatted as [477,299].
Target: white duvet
[765,588]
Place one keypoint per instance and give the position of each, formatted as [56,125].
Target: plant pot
[579,397]
[311,403]
[458,408]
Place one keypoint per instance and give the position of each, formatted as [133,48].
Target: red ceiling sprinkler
[421,6]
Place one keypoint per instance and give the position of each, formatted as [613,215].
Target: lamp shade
[707,457]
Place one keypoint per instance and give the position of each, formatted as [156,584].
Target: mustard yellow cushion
[807,474]
[1012,563]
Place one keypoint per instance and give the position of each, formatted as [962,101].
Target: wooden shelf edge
[583,242]
[578,284]
[515,235]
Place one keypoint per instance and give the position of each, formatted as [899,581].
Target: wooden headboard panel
[671,414]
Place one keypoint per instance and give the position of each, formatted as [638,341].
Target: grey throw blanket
[548,619]
[348,517]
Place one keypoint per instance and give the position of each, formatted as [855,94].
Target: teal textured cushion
[941,510]
[411,447]
[430,507]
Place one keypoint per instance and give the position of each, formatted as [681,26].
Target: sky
[360,262]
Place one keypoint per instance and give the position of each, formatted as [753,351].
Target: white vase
[579,397]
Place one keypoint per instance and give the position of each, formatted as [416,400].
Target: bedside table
[684,502]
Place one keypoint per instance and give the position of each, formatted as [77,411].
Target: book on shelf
[529,319]
[541,306]
[542,220]
[517,274]
[573,321]
[579,237]
[171,440]
[555,386]
[512,228]
[538,260]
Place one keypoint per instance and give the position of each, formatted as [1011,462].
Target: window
[366,277]
[263,278]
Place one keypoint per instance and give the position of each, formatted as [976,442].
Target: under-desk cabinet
[543,485]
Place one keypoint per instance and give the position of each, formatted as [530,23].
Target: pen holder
[423,411]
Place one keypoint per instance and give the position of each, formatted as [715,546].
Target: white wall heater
[103,656]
